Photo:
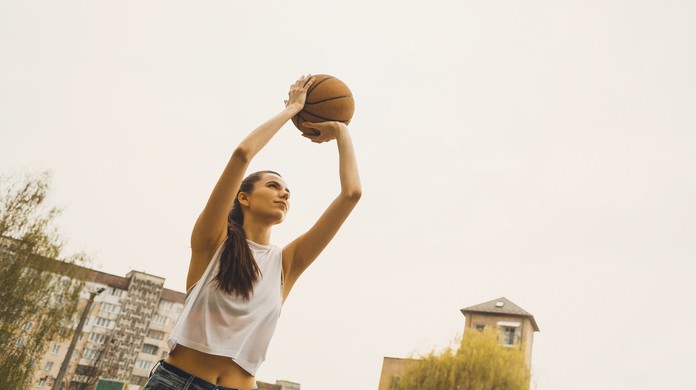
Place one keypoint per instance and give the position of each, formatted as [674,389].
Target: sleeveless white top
[218,323]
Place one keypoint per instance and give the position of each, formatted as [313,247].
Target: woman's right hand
[298,93]
[324,131]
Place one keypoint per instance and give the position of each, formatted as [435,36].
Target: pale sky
[539,150]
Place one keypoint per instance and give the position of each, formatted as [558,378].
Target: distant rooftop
[7,245]
[503,306]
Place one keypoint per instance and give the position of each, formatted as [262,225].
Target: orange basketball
[328,99]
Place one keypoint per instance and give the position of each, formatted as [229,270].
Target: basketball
[328,99]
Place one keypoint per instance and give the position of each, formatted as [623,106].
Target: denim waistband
[198,381]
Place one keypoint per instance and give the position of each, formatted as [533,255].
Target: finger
[314,125]
[308,82]
[313,133]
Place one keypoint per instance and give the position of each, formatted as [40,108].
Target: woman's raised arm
[210,228]
[301,252]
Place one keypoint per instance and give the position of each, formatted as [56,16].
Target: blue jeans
[167,377]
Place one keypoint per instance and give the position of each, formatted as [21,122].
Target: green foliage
[478,364]
[39,293]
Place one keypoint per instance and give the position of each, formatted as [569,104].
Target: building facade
[123,336]
[515,325]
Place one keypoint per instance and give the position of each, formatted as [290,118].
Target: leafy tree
[478,364]
[39,291]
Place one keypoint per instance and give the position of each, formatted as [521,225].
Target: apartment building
[123,336]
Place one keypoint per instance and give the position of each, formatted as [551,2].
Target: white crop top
[218,323]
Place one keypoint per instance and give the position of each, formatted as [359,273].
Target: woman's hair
[238,269]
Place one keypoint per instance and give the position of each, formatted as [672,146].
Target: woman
[237,281]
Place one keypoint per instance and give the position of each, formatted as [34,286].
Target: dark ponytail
[238,269]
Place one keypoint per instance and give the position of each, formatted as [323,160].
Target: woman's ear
[243,199]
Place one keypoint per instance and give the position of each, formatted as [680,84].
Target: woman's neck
[258,233]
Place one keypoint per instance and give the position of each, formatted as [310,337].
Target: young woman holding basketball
[237,281]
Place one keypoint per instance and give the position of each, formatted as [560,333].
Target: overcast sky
[539,150]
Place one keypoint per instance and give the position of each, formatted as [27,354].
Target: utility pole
[58,383]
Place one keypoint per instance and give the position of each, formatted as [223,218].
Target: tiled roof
[501,305]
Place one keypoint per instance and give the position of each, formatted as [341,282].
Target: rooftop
[501,305]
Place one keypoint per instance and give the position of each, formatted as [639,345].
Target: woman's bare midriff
[219,370]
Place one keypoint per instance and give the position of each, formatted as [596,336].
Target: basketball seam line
[326,100]
[304,120]
[326,119]
[317,84]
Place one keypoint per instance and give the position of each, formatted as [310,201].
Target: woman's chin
[277,218]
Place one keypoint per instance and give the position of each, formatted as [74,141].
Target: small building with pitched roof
[515,325]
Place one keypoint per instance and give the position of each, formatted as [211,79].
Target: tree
[39,290]
[478,364]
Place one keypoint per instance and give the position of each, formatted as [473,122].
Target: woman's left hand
[325,131]
[298,93]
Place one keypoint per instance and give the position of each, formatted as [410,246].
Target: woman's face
[270,198]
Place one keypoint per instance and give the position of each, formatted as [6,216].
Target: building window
[90,354]
[144,364]
[109,308]
[103,322]
[55,348]
[150,349]
[97,338]
[480,327]
[41,382]
[20,342]
[159,319]
[115,292]
[155,334]
[27,326]
[166,305]
[509,334]
[48,366]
